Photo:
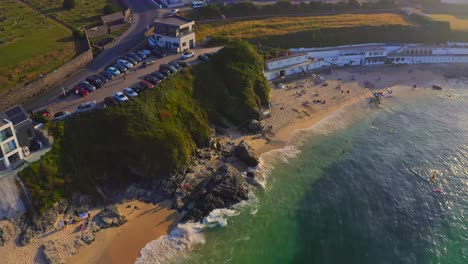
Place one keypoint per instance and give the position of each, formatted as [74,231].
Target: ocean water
[352,189]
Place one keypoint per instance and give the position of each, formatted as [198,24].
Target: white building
[364,54]
[174,32]
[10,152]
[291,64]
[16,132]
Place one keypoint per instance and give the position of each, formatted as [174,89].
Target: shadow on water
[370,208]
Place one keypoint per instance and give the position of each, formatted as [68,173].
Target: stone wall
[21,94]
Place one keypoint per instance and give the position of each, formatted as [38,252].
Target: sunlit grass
[284,25]
[456,23]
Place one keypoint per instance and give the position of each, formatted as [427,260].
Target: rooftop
[173,20]
[287,57]
[112,17]
[16,115]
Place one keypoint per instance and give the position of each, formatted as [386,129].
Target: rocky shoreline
[216,178]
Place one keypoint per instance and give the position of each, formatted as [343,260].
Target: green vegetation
[85,13]
[30,44]
[232,84]
[150,136]
[279,26]
[246,9]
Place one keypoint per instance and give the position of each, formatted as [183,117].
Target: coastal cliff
[164,141]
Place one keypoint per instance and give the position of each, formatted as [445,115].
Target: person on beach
[123,77]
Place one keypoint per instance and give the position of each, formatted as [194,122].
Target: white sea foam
[180,241]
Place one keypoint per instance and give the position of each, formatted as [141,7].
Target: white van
[198,4]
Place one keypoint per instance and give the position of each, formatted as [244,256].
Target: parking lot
[71,102]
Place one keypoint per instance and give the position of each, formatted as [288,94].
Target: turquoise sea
[358,192]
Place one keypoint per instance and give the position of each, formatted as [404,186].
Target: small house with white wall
[174,32]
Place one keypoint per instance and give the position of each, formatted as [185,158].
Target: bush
[68,4]
[233,84]
[38,118]
[110,8]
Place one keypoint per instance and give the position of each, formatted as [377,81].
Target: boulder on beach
[108,217]
[246,154]
[222,189]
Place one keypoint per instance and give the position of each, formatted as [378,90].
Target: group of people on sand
[62,224]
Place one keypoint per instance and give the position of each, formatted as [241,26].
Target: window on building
[184,44]
[175,44]
[14,158]
[2,164]
[9,147]
[5,134]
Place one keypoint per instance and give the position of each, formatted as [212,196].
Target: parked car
[175,65]
[187,54]
[120,67]
[198,4]
[87,86]
[95,81]
[147,63]
[103,78]
[168,68]
[86,107]
[203,57]
[166,73]
[61,115]
[130,59]
[139,89]
[43,112]
[141,54]
[146,52]
[159,75]
[134,56]
[210,54]
[146,84]
[114,71]
[125,63]
[174,11]
[109,101]
[107,74]
[120,97]
[159,53]
[129,92]
[182,63]
[152,79]
[80,91]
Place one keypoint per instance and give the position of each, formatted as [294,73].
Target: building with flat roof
[174,32]
[16,132]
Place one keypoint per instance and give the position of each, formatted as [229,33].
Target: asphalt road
[144,13]
[132,78]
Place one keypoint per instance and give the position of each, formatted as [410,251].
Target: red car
[80,91]
[44,113]
[146,85]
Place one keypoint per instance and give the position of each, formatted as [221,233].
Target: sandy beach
[112,245]
[289,113]
[299,104]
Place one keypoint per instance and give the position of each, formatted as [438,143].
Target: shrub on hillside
[233,84]
[110,8]
[68,4]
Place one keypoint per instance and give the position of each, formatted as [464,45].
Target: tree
[68,4]
[355,3]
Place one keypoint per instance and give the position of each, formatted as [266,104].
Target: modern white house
[364,55]
[10,152]
[16,132]
[174,32]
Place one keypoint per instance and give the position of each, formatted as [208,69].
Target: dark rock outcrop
[7,232]
[246,154]
[254,126]
[26,237]
[221,189]
[108,217]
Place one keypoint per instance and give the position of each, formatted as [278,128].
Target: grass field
[284,25]
[456,23]
[30,44]
[86,12]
